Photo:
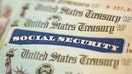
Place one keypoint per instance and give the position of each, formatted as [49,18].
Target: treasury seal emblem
[45,69]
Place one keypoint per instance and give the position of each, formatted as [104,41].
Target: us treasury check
[29,51]
[66,38]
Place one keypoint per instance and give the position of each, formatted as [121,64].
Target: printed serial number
[119,8]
